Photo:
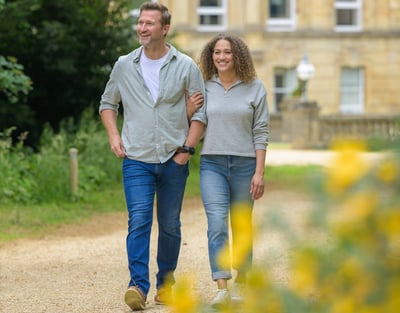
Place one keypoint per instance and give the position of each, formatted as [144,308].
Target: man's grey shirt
[152,131]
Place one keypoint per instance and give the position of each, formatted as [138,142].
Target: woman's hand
[257,186]
[193,103]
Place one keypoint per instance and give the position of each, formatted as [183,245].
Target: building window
[285,82]
[352,90]
[348,15]
[212,15]
[282,15]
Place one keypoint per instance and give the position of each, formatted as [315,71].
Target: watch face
[190,150]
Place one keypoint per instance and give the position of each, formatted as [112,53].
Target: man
[156,143]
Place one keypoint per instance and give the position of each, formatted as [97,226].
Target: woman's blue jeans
[224,181]
[142,181]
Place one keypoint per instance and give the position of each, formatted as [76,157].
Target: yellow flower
[370,309]
[346,168]
[390,223]
[242,237]
[388,171]
[349,145]
[260,296]
[242,233]
[304,272]
[392,302]
[345,304]
[185,300]
[389,226]
[354,211]
[353,275]
[224,257]
[258,279]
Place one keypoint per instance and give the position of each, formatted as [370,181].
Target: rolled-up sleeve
[111,96]
[196,83]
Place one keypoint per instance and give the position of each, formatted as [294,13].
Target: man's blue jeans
[142,181]
[224,180]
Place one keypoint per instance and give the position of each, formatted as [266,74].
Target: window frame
[356,6]
[275,24]
[291,81]
[219,11]
[357,90]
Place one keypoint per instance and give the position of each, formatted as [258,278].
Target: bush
[44,177]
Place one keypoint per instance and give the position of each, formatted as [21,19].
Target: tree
[14,88]
[67,48]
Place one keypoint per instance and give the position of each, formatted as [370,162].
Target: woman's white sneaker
[222,298]
[237,292]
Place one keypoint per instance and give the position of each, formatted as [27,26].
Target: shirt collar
[172,53]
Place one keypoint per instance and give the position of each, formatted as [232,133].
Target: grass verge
[22,221]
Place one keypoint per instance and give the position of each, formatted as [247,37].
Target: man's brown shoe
[163,296]
[135,298]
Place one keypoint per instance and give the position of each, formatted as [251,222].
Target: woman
[233,154]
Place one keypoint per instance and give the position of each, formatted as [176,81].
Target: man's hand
[117,147]
[181,158]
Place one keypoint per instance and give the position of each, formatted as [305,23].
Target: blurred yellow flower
[242,237]
[392,302]
[370,309]
[353,212]
[224,257]
[344,304]
[349,145]
[242,233]
[258,278]
[304,272]
[353,276]
[389,222]
[185,300]
[388,171]
[389,226]
[260,296]
[346,168]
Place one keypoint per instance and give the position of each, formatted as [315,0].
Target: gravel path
[83,268]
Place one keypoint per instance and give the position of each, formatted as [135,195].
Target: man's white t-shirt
[151,73]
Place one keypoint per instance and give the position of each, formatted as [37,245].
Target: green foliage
[13,81]
[35,190]
[16,180]
[381,144]
[291,176]
[44,177]
[14,88]
[296,93]
[67,48]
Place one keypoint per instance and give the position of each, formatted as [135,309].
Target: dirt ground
[83,268]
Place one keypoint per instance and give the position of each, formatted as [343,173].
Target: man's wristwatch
[186,149]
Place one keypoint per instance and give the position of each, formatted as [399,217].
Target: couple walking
[169,104]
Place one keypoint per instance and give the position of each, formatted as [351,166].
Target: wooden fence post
[73,161]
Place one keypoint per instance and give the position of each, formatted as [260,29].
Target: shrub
[44,176]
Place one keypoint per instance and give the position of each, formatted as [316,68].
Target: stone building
[354,46]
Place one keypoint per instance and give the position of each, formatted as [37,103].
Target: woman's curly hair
[243,62]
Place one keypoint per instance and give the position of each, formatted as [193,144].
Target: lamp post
[305,70]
